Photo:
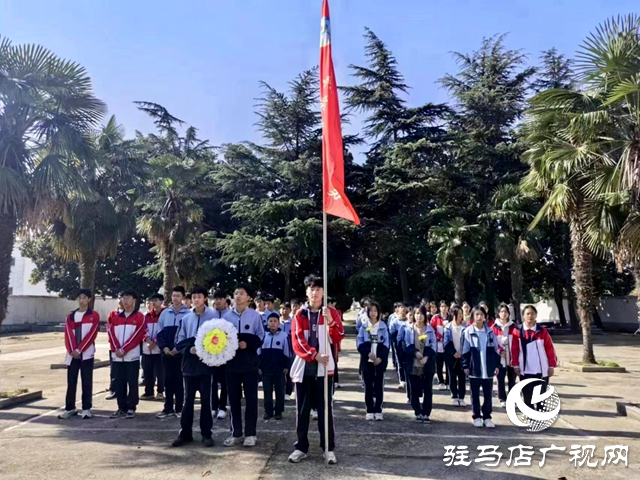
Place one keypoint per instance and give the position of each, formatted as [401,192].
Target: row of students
[478,351]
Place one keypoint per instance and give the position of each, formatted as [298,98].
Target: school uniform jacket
[438,325]
[186,338]
[447,341]
[364,344]
[126,333]
[250,330]
[168,324]
[275,354]
[471,358]
[153,327]
[409,346]
[89,331]
[525,351]
[304,352]
[505,342]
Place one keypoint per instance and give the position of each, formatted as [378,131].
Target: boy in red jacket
[312,362]
[532,354]
[80,332]
[126,331]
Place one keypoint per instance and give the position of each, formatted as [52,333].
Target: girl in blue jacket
[373,345]
[420,355]
[453,340]
[480,361]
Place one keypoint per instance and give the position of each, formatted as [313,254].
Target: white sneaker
[461,403]
[330,457]
[292,396]
[297,456]
[250,441]
[455,402]
[503,404]
[86,414]
[489,424]
[478,423]
[222,414]
[336,386]
[287,398]
[68,414]
[231,441]
[260,384]
[378,416]
[402,385]
[369,417]
[442,386]
[314,414]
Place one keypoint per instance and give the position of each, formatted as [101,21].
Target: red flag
[335,201]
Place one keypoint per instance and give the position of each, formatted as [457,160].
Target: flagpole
[325,271]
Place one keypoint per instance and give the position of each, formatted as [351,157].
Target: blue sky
[203,59]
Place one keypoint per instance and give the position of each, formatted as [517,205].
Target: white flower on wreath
[216,342]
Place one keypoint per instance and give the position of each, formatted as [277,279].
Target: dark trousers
[399,363]
[422,385]
[126,376]
[527,391]
[503,372]
[373,388]
[407,376]
[313,388]
[193,384]
[440,365]
[152,371]
[237,382]
[288,384]
[85,368]
[173,384]
[219,377]
[271,383]
[483,412]
[112,377]
[457,379]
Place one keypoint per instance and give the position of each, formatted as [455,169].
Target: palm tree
[170,214]
[89,228]
[511,214]
[47,109]
[457,256]
[586,156]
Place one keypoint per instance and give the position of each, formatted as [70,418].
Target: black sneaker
[118,414]
[426,419]
[178,442]
[147,397]
[267,416]
[207,442]
[278,416]
[165,414]
[130,414]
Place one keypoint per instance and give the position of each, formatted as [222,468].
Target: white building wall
[49,310]
[20,274]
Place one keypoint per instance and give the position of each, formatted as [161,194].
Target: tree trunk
[287,285]
[565,267]
[582,264]
[458,282]
[516,286]
[488,281]
[8,225]
[558,298]
[88,262]
[404,278]
[169,276]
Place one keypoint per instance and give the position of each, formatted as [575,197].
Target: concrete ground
[34,443]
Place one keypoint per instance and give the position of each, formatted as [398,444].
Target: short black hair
[228,302]
[259,295]
[155,296]
[85,291]
[179,288]
[370,306]
[201,290]
[527,307]
[296,301]
[313,281]
[443,302]
[273,314]
[129,293]
[219,294]
[267,297]
[478,308]
[246,288]
[504,305]
[286,305]
[187,295]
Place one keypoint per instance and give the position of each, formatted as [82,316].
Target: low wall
[28,312]
[618,314]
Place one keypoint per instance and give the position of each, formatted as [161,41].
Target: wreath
[216,342]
